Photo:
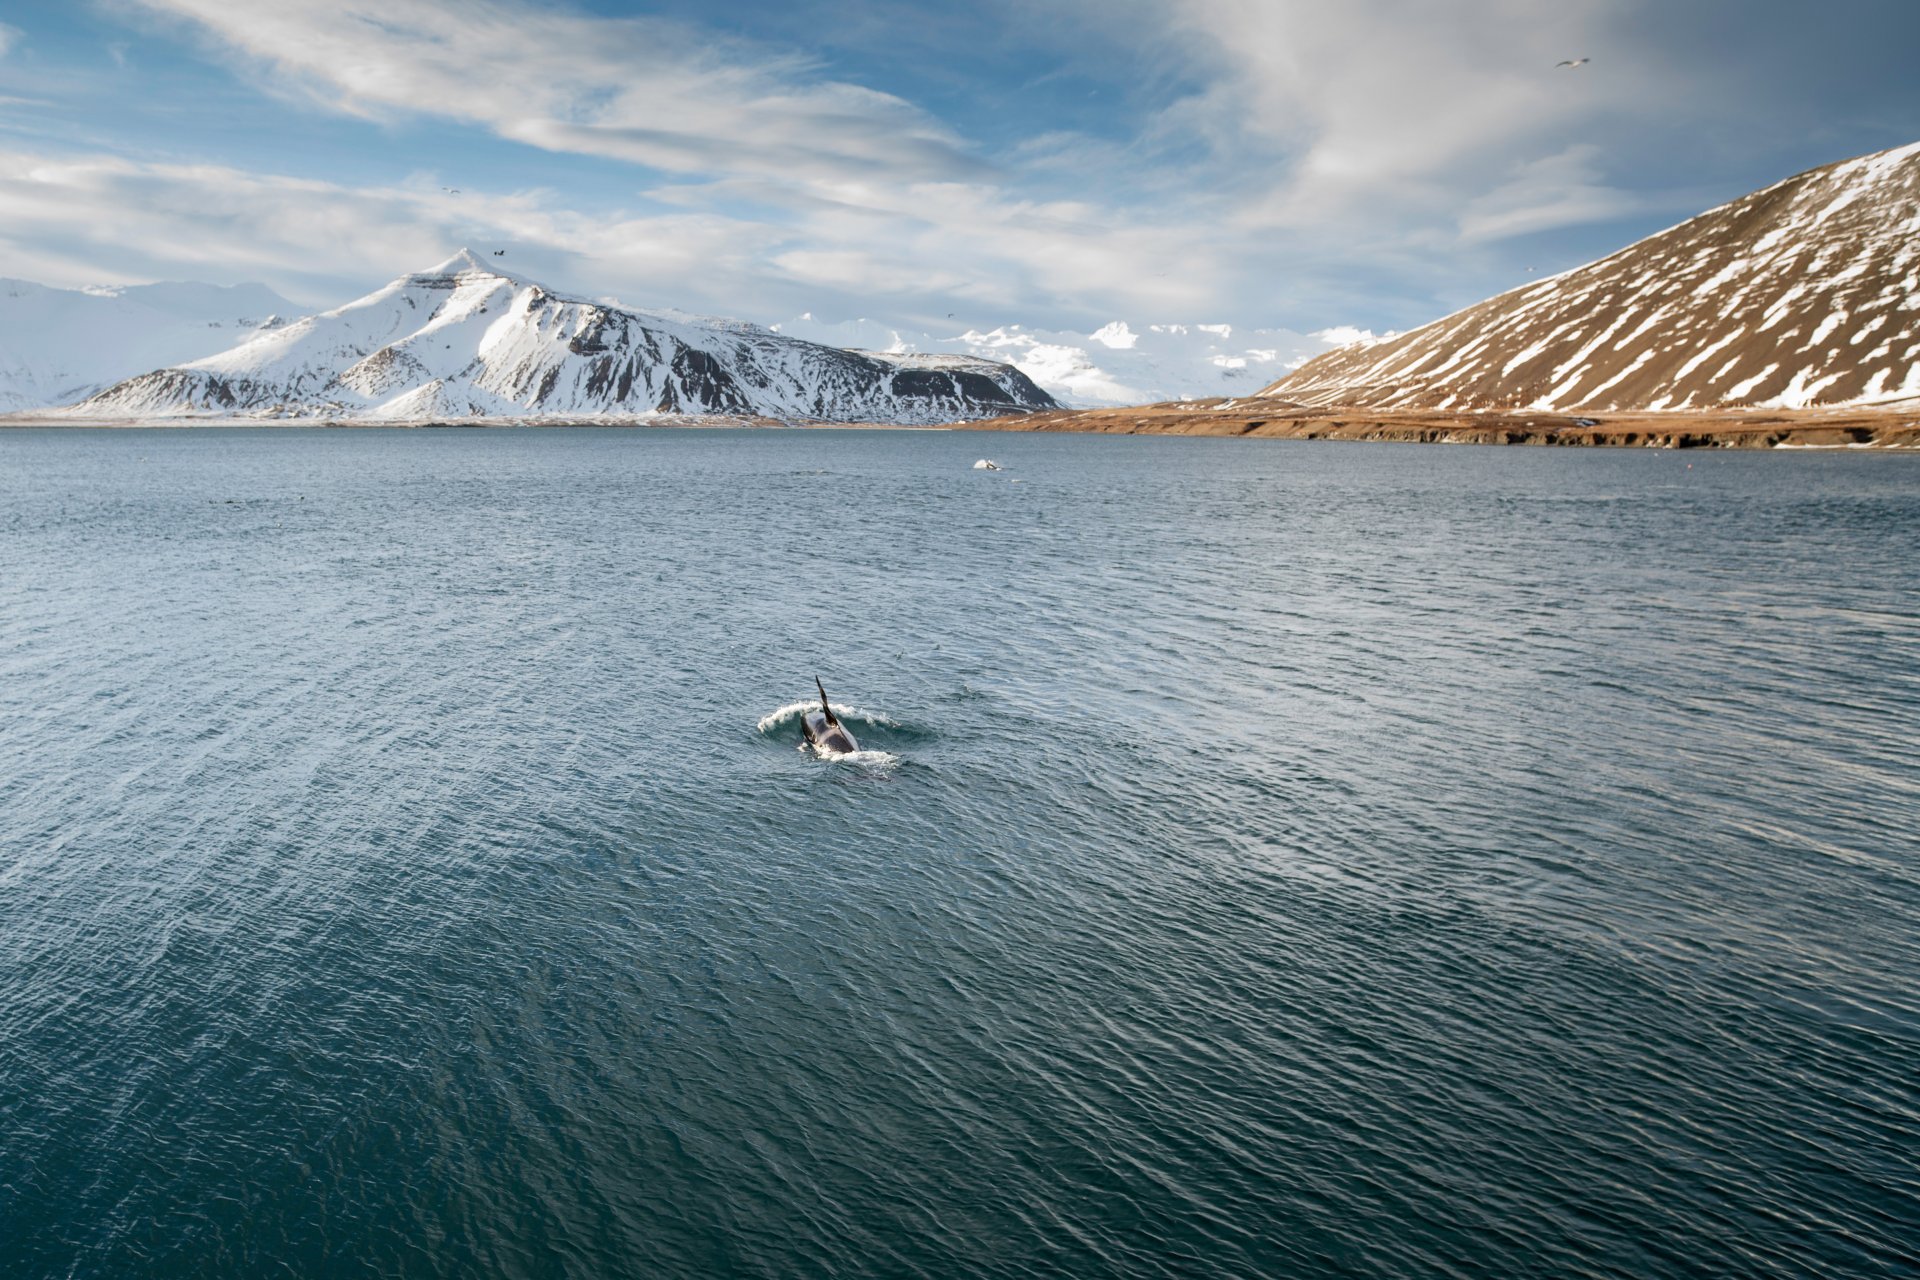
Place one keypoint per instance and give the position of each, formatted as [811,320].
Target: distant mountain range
[466,339]
[1804,295]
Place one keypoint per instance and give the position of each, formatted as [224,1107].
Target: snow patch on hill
[1803,295]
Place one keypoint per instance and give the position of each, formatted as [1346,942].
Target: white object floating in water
[986,464]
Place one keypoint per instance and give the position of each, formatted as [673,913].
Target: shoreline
[1890,430]
[1882,430]
[36,421]
[33,420]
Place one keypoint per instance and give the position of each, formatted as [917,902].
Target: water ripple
[1286,860]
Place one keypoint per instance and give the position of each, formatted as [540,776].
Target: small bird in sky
[1572,62]
[499,253]
[452,191]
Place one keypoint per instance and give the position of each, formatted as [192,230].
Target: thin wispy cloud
[644,91]
[79,220]
[867,196]
[1555,191]
[1387,110]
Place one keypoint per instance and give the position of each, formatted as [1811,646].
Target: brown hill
[1803,295]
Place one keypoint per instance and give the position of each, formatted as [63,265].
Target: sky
[1294,164]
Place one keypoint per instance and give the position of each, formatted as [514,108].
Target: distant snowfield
[58,346]
[1114,365]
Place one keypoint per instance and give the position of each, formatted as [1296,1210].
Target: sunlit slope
[1803,295]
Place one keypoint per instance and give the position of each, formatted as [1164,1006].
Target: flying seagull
[1572,62]
[452,191]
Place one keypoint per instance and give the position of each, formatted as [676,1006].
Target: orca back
[828,736]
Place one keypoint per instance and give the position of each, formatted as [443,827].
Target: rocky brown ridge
[1859,428]
[1803,295]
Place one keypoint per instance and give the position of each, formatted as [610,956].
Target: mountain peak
[462,260]
[463,267]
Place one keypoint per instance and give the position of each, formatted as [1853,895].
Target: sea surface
[1264,858]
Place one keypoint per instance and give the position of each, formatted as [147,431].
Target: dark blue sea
[1264,859]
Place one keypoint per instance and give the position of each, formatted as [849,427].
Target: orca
[822,729]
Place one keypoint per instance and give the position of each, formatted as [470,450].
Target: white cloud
[9,37]
[1301,160]
[78,219]
[1541,195]
[641,90]
[857,194]
[73,220]
[1386,127]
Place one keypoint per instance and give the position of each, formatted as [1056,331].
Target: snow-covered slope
[60,345]
[1118,364]
[466,339]
[1804,294]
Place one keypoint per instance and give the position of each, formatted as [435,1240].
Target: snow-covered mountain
[1805,294]
[1118,364]
[62,345]
[466,339]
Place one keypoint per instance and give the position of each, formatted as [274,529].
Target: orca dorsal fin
[831,718]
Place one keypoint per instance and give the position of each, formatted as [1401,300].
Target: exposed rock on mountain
[1805,294]
[468,340]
